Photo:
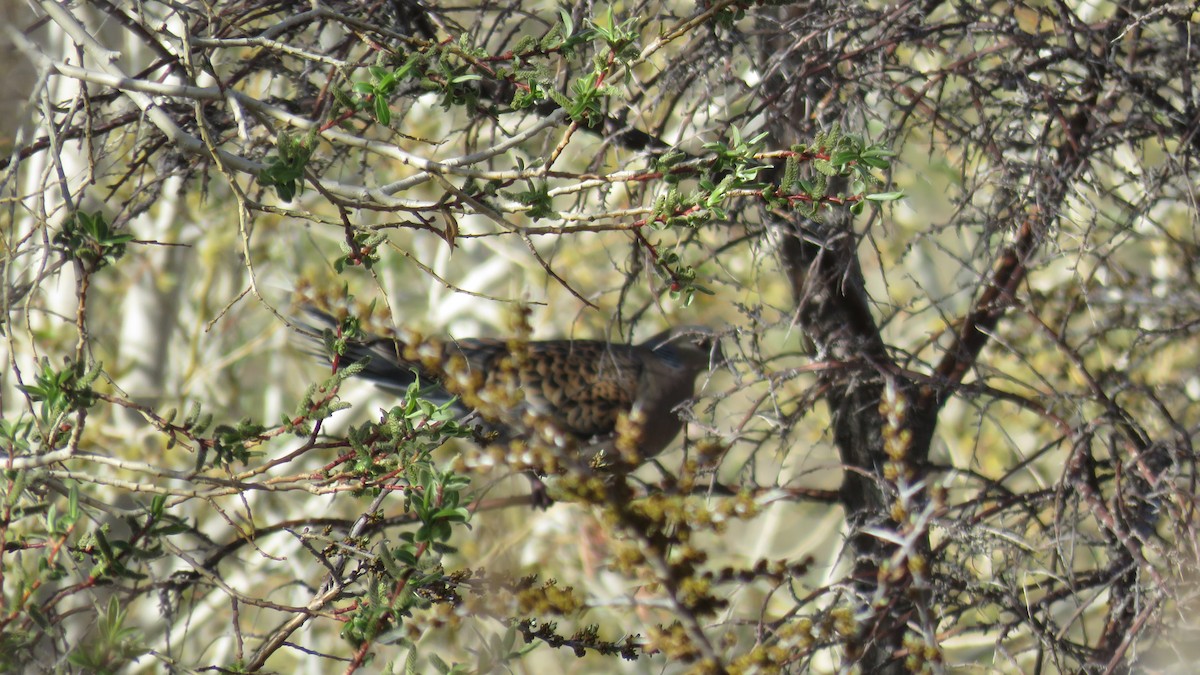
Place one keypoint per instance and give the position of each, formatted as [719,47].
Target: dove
[579,389]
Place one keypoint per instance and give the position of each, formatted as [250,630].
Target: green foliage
[588,95]
[736,158]
[390,569]
[114,557]
[360,249]
[834,154]
[406,433]
[563,38]
[730,14]
[194,424]
[666,164]
[437,503]
[377,92]
[59,392]
[683,284]
[232,443]
[620,38]
[493,655]
[409,571]
[16,435]
[89,239]
[319,402]
[285,167]
[532,87]
[17,647]
[730,172]
[112,645]
[537,198]
[590,92]
[61,525]
[454,81]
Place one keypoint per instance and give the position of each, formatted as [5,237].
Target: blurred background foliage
[178,178]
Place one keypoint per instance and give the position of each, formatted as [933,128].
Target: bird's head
[696,348]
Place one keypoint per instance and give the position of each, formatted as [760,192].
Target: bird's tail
[382,357]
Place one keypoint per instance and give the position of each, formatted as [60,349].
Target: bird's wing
[578,385]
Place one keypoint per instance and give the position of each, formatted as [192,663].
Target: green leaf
[568,24]
[843,157]
[382,112]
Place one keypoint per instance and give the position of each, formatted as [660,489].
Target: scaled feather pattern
[578,389]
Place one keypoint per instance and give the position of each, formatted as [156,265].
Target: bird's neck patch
[669,355]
